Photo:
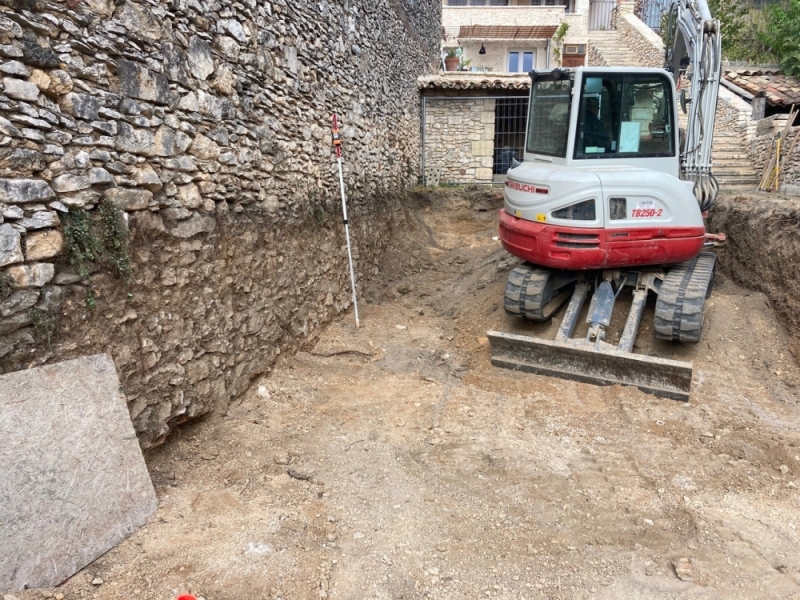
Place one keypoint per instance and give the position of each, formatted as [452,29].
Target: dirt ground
[394,462]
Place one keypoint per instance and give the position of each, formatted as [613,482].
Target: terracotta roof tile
[779,89]
[473,81]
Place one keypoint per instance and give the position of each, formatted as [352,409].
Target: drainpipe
[547,63]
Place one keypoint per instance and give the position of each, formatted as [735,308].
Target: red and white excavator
[610,196]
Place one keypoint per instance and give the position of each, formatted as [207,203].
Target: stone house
[473,123]
[474,119]
[515,36]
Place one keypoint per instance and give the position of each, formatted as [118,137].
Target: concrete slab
[73,482]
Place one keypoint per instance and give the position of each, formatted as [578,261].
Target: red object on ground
[579,249]
[186,597]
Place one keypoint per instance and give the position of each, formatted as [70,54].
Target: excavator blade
[580,361]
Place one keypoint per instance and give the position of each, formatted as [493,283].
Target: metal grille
[510,115]
[652,11]
[600,12]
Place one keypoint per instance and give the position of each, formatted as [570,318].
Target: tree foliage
[742,25]
[782,34]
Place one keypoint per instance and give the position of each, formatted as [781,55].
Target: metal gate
[651,12]
[600,12]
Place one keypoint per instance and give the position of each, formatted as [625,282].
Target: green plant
[114,239]
[782,34]
[558,37]
[320,215]
[91,301]
[44,324]
[6,286]
[99,238]
[464,64]
[82,245]
[452,53]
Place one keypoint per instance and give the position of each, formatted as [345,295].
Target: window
[477,2]
[618,208]
[625,116]
[548,117]
[521,61]
[582,211]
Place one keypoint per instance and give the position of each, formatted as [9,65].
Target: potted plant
[452,60]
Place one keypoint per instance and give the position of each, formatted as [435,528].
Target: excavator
[612,196]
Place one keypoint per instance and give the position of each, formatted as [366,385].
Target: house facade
[516,36]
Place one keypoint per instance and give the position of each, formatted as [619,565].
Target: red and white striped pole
[337,144]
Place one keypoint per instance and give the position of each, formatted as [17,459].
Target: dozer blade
[580,361]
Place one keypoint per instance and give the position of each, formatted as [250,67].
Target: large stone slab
[74,483]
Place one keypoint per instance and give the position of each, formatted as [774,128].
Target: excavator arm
[692,32]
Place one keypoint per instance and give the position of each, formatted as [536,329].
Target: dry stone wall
[206,124]
[643,41]
[762,149]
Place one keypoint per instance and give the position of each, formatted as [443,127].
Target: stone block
[43,244]
[69,182]
[14,67]
[82,106]
[483,174]
[129,199]
[191,227]
[204,148]
[135,141]
[10,325]
[146,177]
[138,82]
[201,61]
[18,301]
[41,219]
[482,148]
[189,196]
[32,275]
[165,141]
[10,246]
[21,191]
[74,481]
[20,90]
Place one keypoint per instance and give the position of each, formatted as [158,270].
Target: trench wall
[206,124]
[763,251]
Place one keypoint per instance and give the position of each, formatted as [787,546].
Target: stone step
[725,154]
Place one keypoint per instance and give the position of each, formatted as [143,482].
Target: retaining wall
[207,125]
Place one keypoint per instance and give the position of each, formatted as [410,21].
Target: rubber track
[682,298]
[524,292]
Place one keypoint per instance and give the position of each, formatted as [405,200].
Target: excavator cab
[607,116]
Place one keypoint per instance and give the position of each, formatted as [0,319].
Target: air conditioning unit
[579,49]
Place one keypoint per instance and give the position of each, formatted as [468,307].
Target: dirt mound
[763,251]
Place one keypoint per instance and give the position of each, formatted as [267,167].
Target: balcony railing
[504,2]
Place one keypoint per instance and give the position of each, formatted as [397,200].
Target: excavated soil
[395,462]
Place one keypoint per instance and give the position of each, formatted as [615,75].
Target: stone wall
[207,125]
[595,58]
[733,115]
[762,147]
[457,16]
[643,41]
[459,140]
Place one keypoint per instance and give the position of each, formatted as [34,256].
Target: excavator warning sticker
[541,218]
[646,208]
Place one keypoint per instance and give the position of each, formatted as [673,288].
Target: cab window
[625,116]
